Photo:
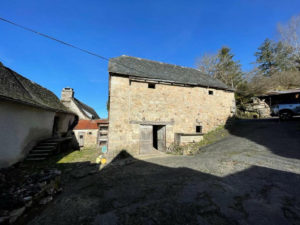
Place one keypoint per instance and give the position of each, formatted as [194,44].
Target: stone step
[45,147]
[35,159]
[38,154]
[41,150]
[47,144]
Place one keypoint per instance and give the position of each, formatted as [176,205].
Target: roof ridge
[134,66]
[29,92]
[89,108]
[150,60]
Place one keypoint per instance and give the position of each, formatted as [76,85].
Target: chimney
[67,95]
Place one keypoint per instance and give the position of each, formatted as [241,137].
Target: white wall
[21,127]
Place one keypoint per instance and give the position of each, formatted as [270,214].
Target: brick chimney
[67,95]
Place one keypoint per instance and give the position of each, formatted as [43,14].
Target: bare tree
[286,80]
[222,66]
[208,64]
[290,33]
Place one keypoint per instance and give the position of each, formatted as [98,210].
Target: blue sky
[170,31]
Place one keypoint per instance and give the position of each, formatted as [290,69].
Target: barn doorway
[159,137]
[55,126]
[152,137]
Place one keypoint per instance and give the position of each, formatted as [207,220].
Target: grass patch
[194,148]
[84,155]
[209,138]
[62,160]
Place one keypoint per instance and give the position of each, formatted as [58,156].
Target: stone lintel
[190,134]
[145,122]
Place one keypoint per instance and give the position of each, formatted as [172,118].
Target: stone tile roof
[14,87]
[137,67]
[86,110]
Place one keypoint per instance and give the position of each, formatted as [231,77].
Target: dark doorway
[159,137]
[55,126]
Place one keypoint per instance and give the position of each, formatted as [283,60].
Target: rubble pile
[257,108]
[19,191]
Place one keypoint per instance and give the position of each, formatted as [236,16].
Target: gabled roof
[90,124]
[86,125]
[14,87]
[144,68]
[86,110]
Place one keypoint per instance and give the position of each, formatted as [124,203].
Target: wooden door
[81,139]
[146,139]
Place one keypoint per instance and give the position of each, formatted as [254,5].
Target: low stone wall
[19,191]
[183,139]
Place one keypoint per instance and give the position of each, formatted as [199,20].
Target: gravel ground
[250,177]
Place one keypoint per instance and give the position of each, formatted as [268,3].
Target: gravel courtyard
[250,177]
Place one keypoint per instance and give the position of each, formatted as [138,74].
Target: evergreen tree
[222,66]
[265,57]
[228,70]
[273,57]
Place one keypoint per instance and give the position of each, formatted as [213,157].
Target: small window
[90,133]
[151,85]
[198,129]
[210,92]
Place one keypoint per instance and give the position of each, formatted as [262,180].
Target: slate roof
[86,110]
[144,68]
[14,87]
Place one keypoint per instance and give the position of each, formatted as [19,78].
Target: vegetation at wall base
[209,138]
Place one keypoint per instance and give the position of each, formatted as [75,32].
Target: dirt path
[250,177]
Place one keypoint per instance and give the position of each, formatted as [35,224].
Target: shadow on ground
[209,188]
[280,137]
[131,191]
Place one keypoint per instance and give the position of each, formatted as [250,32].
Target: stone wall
[180,108]
[90,137]
[182,139]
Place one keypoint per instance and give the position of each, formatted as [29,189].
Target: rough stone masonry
[146,96]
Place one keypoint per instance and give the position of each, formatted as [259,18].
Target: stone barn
[154,104]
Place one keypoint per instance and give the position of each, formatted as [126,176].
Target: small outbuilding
[29,113]
[91,133]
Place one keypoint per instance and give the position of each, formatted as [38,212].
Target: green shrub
[175,149]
